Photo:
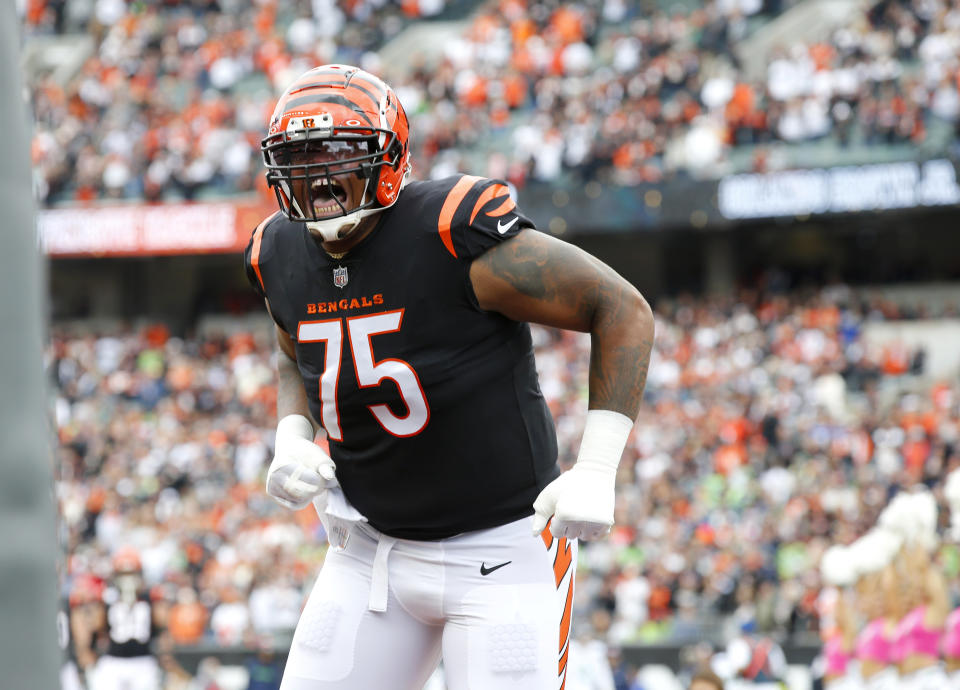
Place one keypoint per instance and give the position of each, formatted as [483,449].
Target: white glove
[300,469]
[581,500]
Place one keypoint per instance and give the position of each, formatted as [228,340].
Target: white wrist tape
[297,425]
[604,438]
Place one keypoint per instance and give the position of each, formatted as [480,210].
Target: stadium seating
[528,92]
[767,418]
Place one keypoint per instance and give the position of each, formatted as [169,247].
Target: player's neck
[339,248]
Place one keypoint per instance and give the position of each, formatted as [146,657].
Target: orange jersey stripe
[255,250]
[507,206]
[450,206]
[489,193]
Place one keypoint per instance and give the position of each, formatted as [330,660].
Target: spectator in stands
[705,679]
[187,619]
[231,618]
[264,669]
[275,606]
[752,459]
[592,90]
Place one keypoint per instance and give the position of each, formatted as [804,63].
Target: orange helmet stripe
[331,100]
[315,79]
[357,94]
[335,87]
[343,80]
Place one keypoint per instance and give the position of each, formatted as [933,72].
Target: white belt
[380,576]
[339,517]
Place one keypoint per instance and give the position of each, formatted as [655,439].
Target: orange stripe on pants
[561,567]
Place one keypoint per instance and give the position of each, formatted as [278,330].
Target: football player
[402,313]
[130,622]
[77,623]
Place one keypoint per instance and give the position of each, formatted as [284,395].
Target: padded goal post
[29,655]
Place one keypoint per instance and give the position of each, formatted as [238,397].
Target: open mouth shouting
[331,199]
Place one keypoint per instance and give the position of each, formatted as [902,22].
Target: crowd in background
[771,428]
[173,97]
[175,94]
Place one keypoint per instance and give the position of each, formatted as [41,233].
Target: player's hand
[581,502]
[300,469]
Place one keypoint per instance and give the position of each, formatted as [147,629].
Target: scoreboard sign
[852,189]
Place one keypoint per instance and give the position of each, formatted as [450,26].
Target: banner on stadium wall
[139,230]
[851,189]
[206,228]
[691,203]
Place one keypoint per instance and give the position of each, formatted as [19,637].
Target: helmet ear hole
[397,155]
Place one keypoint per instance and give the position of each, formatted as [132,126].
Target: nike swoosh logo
[484,570]
[503,228]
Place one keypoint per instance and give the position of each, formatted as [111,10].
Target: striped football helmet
[333,122]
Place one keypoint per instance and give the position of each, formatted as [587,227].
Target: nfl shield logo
[340,276]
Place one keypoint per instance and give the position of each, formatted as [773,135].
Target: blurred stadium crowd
[771,430]
[174,96]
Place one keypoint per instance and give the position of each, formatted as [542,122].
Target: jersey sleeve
[251,259]
[254,260]
[478,213]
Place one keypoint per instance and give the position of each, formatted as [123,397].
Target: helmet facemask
[328,180]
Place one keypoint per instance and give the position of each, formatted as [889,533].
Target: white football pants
[125,673]
[495,603]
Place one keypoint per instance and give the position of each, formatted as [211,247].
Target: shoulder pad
[476,214]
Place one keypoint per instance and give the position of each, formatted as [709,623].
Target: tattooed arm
[291,396]
[300,470]
[534,277]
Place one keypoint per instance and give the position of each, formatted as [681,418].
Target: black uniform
[130,628]
[432,406]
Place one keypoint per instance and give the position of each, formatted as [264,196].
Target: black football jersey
[130,628]
[432,406]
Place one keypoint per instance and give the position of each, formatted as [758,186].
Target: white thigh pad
[505,638]
[512,648]
[319,624]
